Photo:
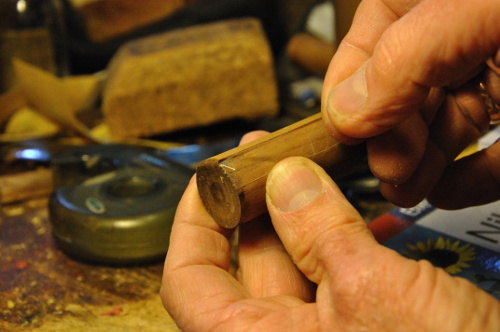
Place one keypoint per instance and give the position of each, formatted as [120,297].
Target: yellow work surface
[42,289]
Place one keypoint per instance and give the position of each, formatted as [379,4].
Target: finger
[265,269]
[462,119]
[418,186]
[434,101]
[200,294]
[394,155]
[194,223]
[196,285]
[473,180]
[491,80]
[198,261]
[370,21]
[259,247]
[309,213]
[406,63]
[455,126]
[329,241]
[253,135]
[358,46]
[494,62]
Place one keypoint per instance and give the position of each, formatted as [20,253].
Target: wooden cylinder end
[218,194]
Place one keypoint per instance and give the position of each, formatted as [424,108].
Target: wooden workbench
[41,289]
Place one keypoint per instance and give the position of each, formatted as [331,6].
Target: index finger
[196,278]
[427,47]
[198,242]
[371,20]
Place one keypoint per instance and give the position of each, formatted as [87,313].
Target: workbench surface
[41,289]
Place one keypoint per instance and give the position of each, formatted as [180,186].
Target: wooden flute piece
[21,186]
[232,184]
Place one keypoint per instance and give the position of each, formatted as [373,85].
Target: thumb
[310,213]
[361,283]
[428,47]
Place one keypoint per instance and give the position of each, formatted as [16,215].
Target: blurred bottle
[34,31]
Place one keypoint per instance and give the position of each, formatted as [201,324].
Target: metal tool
[115,204]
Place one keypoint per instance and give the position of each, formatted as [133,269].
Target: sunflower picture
[450,255]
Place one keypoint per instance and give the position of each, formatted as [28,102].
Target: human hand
[405,79]
[320,270]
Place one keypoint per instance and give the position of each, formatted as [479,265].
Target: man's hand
[320,270]
[405,80]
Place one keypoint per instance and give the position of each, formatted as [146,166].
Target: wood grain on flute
[232,184]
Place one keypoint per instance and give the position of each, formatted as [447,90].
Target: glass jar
[34,31]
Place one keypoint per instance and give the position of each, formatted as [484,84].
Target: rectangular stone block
[191,77]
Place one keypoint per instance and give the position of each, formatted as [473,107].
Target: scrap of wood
[107,19]
[10,101]
[54,97]
[17,187]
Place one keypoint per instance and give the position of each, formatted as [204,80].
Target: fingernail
[349,96]
[292,185]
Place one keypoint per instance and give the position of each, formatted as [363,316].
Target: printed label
[478,225]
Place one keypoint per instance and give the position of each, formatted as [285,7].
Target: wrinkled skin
[405,80]
[314,265]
